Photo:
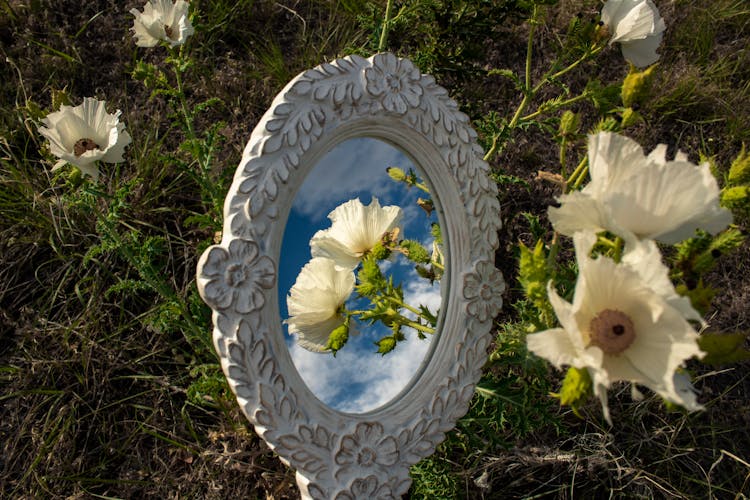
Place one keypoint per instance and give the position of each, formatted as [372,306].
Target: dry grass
[104,390]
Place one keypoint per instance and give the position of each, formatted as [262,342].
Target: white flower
[355,229]
[637,26]
[639,197]
[644,258]
[620,329]
[162,20]
[84,134]
[315,300]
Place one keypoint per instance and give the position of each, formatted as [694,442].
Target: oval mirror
[363,208]
[362,443]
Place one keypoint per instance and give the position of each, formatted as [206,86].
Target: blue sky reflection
[358,379]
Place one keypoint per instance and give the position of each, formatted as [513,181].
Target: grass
[109,384]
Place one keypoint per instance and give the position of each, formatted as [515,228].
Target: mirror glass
[359,275]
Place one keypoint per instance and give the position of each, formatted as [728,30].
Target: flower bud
[636,86]
[396,174]
[379,251]
[386,345]
[415,252]
[569,124]
[338,338]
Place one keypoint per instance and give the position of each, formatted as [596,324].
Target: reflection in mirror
[359,275]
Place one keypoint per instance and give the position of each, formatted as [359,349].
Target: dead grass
[94,386]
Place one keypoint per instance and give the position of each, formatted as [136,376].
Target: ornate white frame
[338,455]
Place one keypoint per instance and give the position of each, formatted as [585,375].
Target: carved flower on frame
[368,487]
[395,81]
[483,290]
[366,448]
[236,275]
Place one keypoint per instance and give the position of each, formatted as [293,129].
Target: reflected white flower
[162,20]
[354,230]
[84,134]
[620,329]
[641,197]
[315,300]
[637,26]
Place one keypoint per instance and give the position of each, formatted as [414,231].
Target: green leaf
[723,348]
[700,296]
[533,273]
[739,171]
[576,388]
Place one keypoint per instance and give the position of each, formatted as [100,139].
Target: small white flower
[162,20]
[84,134]
[620,329]
[637,26]
[354,230]
[641,197]
[315,300]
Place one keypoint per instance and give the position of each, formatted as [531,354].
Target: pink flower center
[611,331]
[168,30]
[83,145]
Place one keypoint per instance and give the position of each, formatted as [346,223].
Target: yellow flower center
[83,145]
[611,331]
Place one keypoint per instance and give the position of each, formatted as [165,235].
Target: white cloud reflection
[350,168]
[359,379]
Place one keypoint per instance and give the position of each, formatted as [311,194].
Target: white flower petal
[637,26]
[90,121]
[578,211]
[644,258]
[642,53]
[355,229]
[162,20]
[313,302]
[613,158]
[635,196]
[554,345]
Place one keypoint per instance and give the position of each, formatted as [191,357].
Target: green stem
[577,173]
[397,302]
[587,55]
[422,186]
[386,25]
[149,274]
[437,264]
[417,326]
[181,94]
[561,104]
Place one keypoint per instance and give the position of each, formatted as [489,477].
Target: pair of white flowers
[85,134]
[637,26]
[626,322]
[325,283]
